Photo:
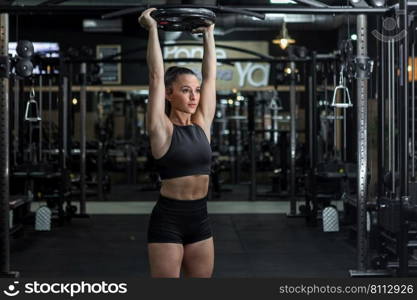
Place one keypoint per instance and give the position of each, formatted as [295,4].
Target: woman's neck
[180,118]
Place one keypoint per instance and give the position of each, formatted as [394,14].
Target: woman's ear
[168,92]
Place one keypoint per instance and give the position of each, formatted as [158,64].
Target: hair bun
[171,69]
[173,72]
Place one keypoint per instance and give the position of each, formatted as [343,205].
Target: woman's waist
[185,188]
[174,206]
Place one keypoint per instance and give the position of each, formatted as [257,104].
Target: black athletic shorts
[179,221]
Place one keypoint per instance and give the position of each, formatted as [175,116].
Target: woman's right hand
[145,19]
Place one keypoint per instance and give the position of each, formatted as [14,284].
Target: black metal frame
[4,157]
[394,207]
[406,212]
[255,11]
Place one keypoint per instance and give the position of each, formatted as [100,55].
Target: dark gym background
[290,194]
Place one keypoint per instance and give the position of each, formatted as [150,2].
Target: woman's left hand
[204,29]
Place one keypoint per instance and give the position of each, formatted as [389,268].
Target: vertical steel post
[252,145]
[403,143]
[63,149]
[50,113]
[381,119]
[100,171]
[83,113]
[293,128]
[393,118]
[413,181]
[362,138]
[390,86]
[313,138]
[134,142]
[40,115]
[4,154]
[309,139]
[16,109]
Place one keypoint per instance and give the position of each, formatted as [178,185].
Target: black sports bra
[188,154]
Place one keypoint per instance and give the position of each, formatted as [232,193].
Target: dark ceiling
[154,2]
[227,22]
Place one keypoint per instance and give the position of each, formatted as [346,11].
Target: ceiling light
[283,39]
[378,3]
[282,2]
[288,70]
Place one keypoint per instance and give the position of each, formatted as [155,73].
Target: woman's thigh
[165,259]
[198,259]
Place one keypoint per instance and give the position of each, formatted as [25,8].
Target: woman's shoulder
[199,121]
[202,126]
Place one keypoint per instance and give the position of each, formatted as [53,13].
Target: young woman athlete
[179,232]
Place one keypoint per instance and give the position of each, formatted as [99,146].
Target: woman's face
[184,93]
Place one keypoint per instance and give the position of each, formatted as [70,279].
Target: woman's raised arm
[155,118]
[207,106]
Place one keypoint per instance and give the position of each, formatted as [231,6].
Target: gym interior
[313,139]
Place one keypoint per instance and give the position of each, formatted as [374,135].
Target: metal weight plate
[24,67]
[24,48]
[183,19]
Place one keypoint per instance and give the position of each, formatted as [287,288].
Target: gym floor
[252,239]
